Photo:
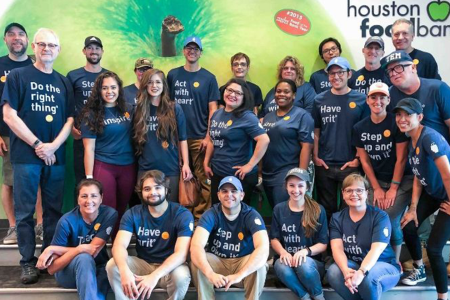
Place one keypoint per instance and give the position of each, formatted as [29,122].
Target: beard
[160,200]
[94,61]
[18,52]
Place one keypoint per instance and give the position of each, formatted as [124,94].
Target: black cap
[14,25]
[410,105]
[299,173]
[399,55]
[92,40]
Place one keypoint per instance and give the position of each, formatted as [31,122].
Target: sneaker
[11,236]
[417,275]
[29,274]
[39,231]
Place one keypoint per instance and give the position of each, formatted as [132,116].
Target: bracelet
[395,182]
[364,272]
[37,142]
[309,251]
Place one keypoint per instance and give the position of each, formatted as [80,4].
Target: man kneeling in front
[237,245]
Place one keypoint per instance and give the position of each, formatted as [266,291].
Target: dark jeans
[275,194]
[248,184]
[27,178]
[327,184]
[440,234]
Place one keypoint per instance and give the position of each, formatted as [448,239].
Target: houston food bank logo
[436,11]
[292,22]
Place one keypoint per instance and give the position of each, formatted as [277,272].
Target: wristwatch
[37,142]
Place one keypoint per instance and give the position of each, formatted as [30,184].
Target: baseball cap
[231,180]
[7,28]
[92,40]
[143,62]
[379,87]
[193,39]
[410,105]
[299,173]
[374,39]
[399,55]
[340,62]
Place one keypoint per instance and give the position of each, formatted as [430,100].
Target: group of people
[389,120]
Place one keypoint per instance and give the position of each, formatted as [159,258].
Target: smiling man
[372,72]
[38,108]
[237,245]
[402,37]
[163,232]
[432,93]
[335,112]
[82,80]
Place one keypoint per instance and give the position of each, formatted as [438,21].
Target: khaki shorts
[7,170]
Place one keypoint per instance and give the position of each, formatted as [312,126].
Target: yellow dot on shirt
[97,226]
[387,133]
[49,118]
[229,122]
[361,77]
[417,150]
[416,61]
[352,104]
[165,235]
[3,78]
[240,236]
[196,84]
[286,118]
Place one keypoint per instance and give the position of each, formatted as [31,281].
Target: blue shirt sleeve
[62,233]
[254,222]
[86,132]
[104,233]
[309,95]
[306,129]
[434,145]
[214,93]
[275,225]
[181,123]
[208,220]
[316,115]
[382,228]
[11,94]
[185,223]
[127,221]
[254,127]
[335,228]
[321,235]
[444,100]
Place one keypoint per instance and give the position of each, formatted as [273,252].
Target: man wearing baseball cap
[237,245]
[16,40]
[432,93]
[382,150]
[372,72]
[82,80]
[402,37]
[141,65]
[335,112]
[197,92]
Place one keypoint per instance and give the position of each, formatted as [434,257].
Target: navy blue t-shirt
[379,141]
[130,93]
[154,155]
[285,133]
[156,237]
[82,82]
[6,65]
[44,102]
[358,236]
[228,239]
[319,81]
[426,64]
[193,91]
[362,79]
[435,98]
[335,115]
[232,139]
[254,89]
[430,146]
[304,98]
[72,230]
[288,229]
[114,145]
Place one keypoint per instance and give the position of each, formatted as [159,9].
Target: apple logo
[438,10]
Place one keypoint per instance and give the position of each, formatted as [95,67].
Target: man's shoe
[39,231]
[417,275]
[29,274]
[11,236]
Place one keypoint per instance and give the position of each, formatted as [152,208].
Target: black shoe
[29,274]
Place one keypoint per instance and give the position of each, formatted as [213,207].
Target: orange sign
[292,22]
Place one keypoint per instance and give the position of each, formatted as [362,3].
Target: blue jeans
[27,178]
[81,273]
[303,280]
[382,277]
[395,212]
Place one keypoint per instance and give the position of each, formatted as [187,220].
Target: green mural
[132,28]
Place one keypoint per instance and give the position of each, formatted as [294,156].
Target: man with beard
[163,232]
[82,80]
[16,39]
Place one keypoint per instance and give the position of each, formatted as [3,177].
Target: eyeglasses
[398,69]
[349,192]
[231,91]
[42,45]
[326,51]
[193,49]
[338,73]
[242,64]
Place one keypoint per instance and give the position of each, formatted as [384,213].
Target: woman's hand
[445,207]
[186,171]
[208,171]
[242,171]
[299,257]
[286,258]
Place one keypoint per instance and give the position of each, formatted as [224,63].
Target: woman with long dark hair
[160,131]
[106,124]
[232,131]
